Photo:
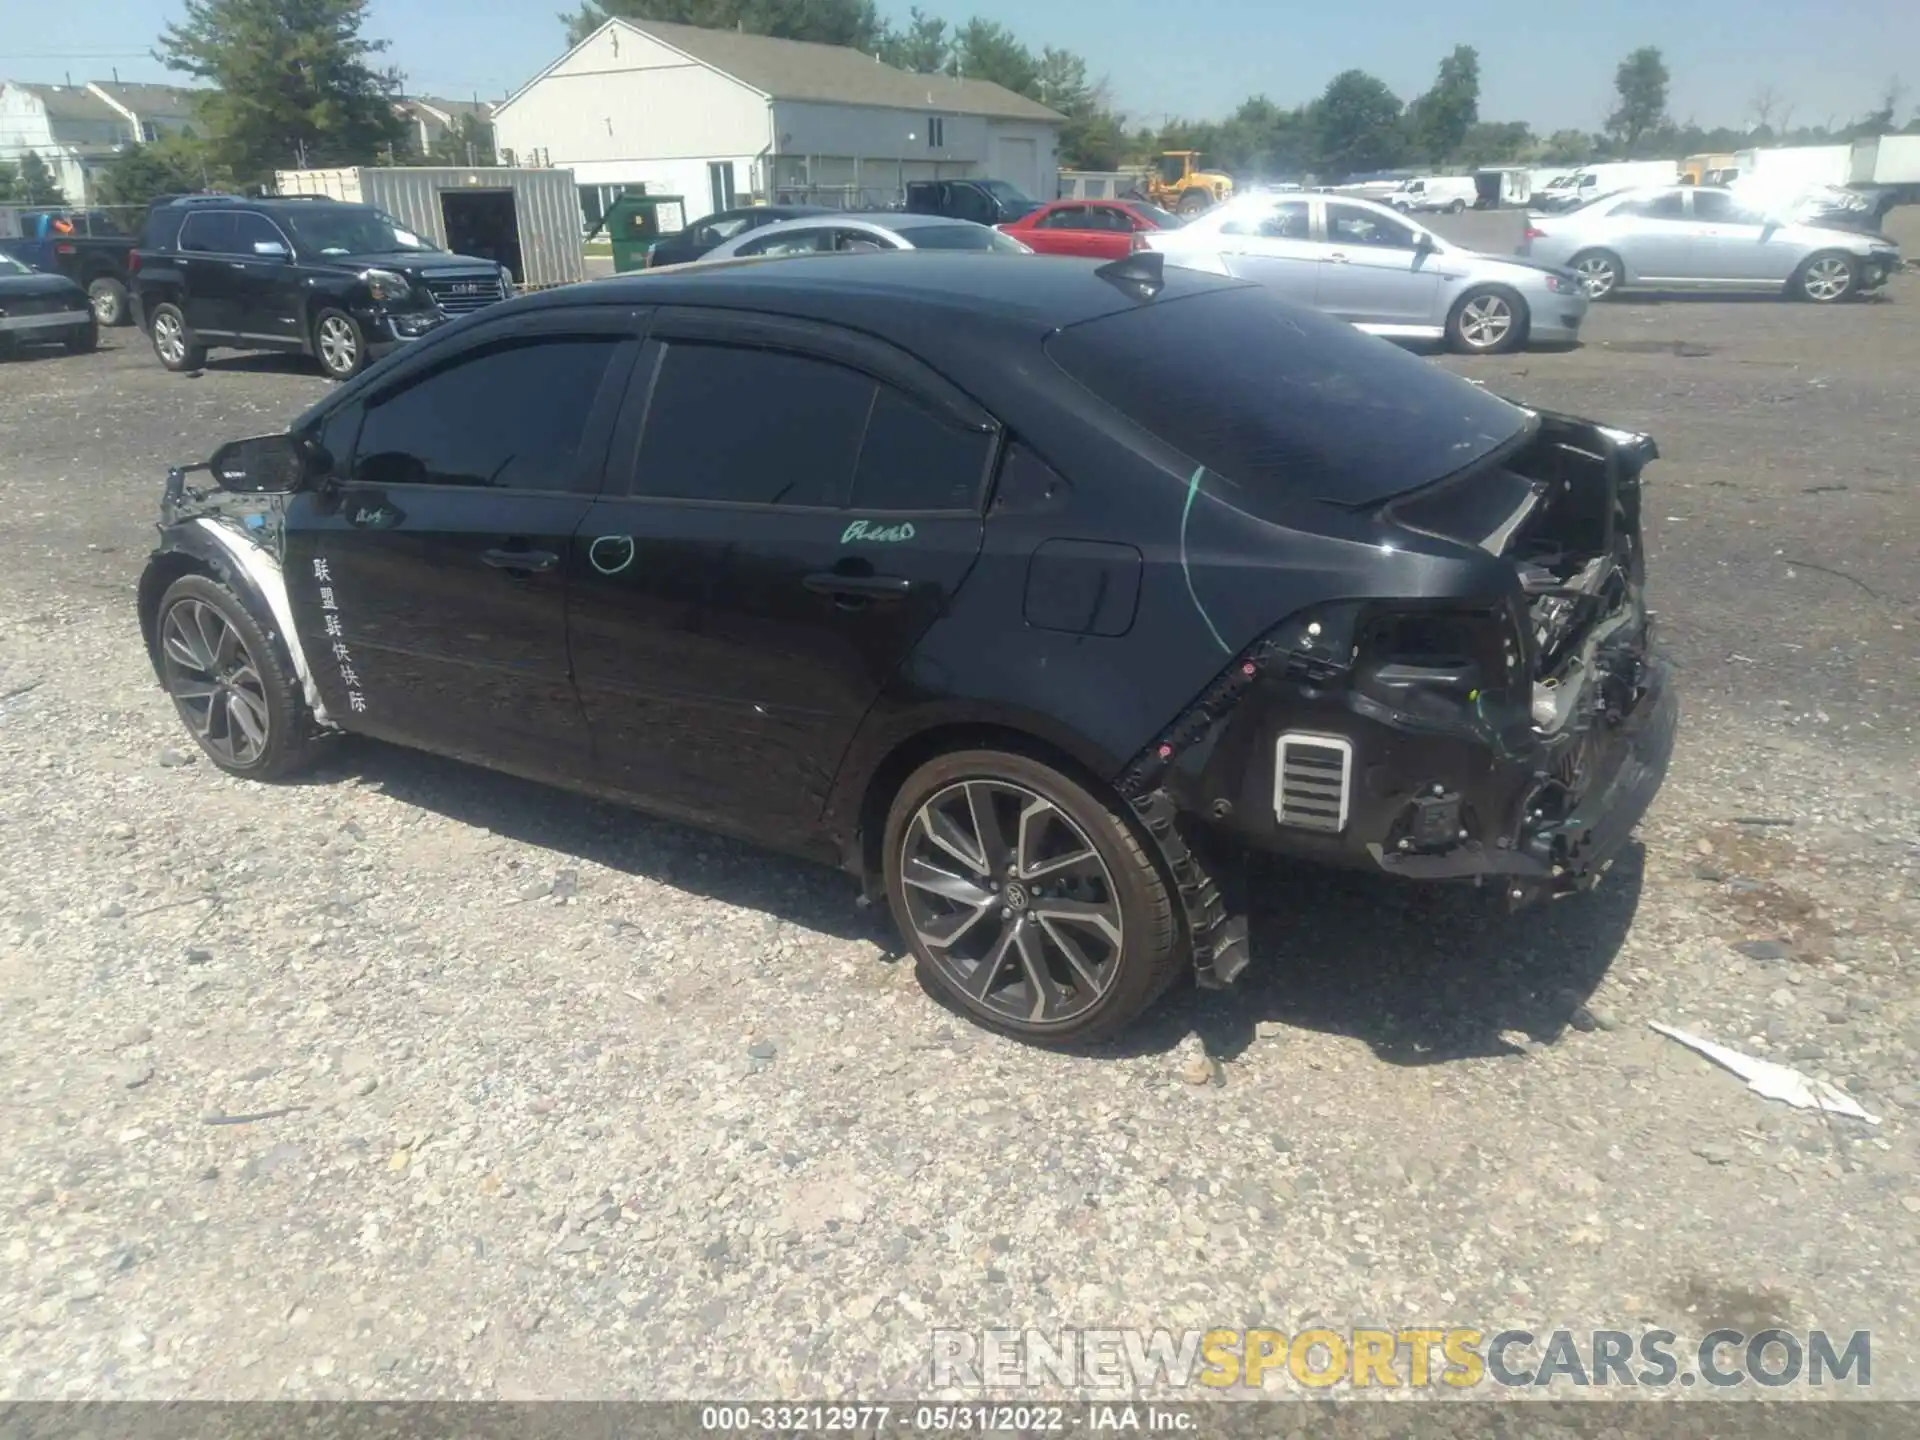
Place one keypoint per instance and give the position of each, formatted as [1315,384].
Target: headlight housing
[386,285]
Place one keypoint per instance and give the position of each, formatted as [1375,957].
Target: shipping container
[525,219]
[1885,160]
[1795,167]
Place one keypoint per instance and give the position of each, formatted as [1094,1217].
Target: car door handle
[523,560]
[238,264]
[859,587]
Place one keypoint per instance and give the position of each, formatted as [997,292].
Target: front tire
[1828,278]
[1194,201]
[84,339]
[233,689]
[1489,320]
[109,298]
[1027,899]
[173,342]
[339,345]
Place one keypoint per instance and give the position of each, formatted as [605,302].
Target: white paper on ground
[1770,1080]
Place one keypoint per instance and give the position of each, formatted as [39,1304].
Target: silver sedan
[875,231]
[1380,271]
[1707,238]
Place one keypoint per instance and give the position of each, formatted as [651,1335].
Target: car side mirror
[262,465]
[271,250]
[1423,244]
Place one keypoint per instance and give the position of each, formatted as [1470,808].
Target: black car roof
[894,295]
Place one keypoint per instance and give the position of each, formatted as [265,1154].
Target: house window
[148,134]
[936,132]
[720,184]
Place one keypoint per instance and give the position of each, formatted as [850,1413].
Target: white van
[1452,193]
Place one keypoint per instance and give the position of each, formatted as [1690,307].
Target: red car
[1098,229]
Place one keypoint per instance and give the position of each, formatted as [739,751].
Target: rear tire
[1827,278]
[1601,273]
[109,299]
[1456,207]
[173,342]
[233,688]
[1028,900]
[1488,320]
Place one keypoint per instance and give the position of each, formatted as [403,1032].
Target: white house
[719,117]
[77,129]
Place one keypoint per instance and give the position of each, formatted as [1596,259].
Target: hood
[22,285]
[1521,262]
[412,262]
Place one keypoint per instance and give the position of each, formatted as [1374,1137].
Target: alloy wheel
[1828,278]
[106,306]
[1012,901]
[215,682]
[1596,276]
[1485,321]
[168,338]
[339,350]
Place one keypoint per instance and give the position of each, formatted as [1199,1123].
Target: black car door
[428,580]
[788,509]
[266,292]
[208,288]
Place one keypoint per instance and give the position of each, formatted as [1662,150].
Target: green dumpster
[636,223]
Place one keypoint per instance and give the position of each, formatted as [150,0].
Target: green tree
[1641,83]
[1566,147]
[291,82]
[984,50]
[830,22]
[925,47]
[1440,119]
[34,184]
[1357,125]
[468,143]
[1491,142]
[172,165]
[9,177]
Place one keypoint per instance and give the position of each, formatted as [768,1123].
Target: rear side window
[162,230]
[504,416]
[914,460]
[756,427]
[1285,402]
[208,233]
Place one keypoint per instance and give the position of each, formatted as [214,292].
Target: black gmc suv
[342,283]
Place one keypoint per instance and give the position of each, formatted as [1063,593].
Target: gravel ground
[415,1081]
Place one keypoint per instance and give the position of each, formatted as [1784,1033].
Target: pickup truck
[87,247]
[985,202]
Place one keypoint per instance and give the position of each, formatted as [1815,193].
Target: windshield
[1164,219]
[1285,402]
[961,237]
[1007,194]
[344,230]
[11,266]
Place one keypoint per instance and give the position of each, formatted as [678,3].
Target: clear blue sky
[1548,64]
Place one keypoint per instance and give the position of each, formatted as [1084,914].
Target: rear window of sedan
[1277,398]
[959,237]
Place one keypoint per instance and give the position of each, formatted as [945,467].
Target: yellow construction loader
[1178,183]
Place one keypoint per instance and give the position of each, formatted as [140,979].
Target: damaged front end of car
[1512,736]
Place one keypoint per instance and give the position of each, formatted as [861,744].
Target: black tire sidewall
[1149,918]
[359,344]
[1512,340]
[86,339]
[288,719]
[195,354]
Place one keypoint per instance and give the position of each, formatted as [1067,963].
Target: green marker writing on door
[876,534]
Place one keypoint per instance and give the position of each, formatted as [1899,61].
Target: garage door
[1019,165]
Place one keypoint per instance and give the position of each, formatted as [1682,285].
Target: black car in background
[703,235]
[1035,595]
[307,275]
[985,202]
[37,308]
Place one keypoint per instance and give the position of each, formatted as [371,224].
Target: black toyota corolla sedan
[1035,595]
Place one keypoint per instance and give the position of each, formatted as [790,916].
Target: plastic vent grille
[1311,776]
